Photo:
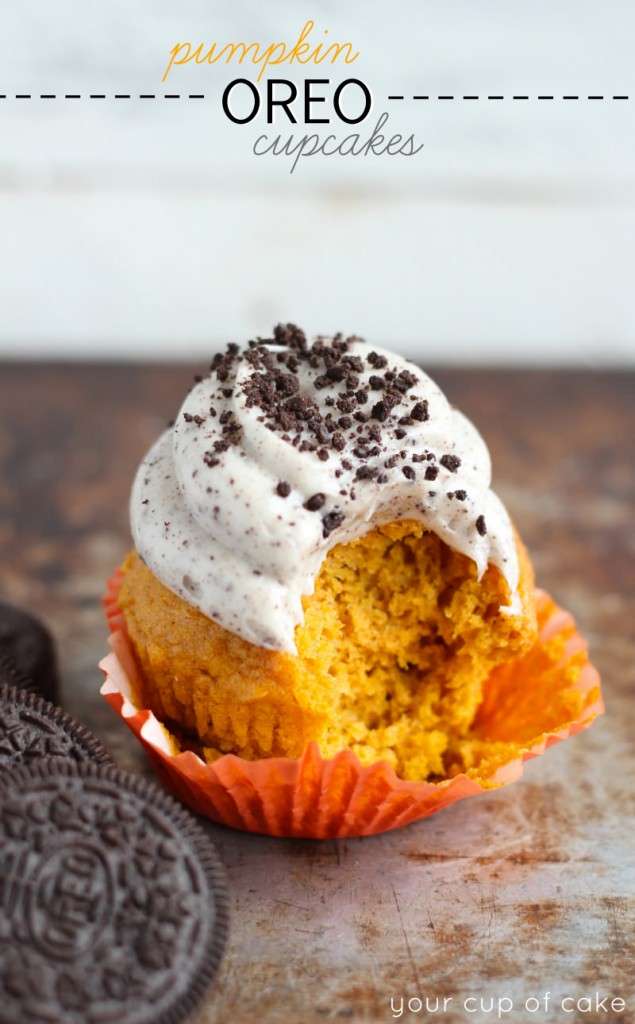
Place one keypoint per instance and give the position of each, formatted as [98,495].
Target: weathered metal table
[496,901]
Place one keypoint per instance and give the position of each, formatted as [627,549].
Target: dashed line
[116,96]
[497,96]
[201,96]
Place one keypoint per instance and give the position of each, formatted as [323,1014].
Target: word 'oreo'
[113,907]
[32,729]
[28,646]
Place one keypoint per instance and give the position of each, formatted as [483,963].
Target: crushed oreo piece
[331,521]
[419,412]
[451,462]
[377,361]
[315,502]
[380,411]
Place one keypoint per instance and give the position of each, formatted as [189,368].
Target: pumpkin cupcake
[321,570]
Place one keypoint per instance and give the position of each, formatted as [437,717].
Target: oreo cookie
[32,729]
[26,647]
[11,675]
[113,904]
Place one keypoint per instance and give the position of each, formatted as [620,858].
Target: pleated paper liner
[530,704]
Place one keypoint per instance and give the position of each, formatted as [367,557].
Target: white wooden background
[148,229]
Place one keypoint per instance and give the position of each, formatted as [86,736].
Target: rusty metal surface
[521,892]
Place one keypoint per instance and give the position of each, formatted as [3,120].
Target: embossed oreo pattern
[31,728]
[113,908]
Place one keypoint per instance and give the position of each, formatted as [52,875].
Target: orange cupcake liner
[546,696]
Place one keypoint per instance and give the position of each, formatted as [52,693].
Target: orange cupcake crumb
[398,642]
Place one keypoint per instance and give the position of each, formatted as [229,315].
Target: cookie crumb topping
[346,435]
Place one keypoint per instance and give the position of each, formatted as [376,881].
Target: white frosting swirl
[219,504]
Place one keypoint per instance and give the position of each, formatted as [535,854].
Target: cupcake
[322,575]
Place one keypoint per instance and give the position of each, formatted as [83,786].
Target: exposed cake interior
[398,640]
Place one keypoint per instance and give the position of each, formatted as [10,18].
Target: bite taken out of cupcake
[323,581]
